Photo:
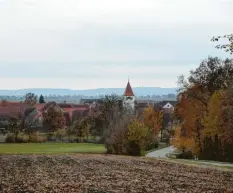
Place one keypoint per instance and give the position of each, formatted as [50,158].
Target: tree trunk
[161,137]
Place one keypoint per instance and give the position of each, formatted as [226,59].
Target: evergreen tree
[41,99]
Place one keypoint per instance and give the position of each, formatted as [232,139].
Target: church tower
[129,97]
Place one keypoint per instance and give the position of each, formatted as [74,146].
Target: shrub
[152,145]
[60,134]
[36,138]
[133,149]
[186,155]
[20,138]
[137,135]
[116,142]
[152,141]
[10,138]
[128,137]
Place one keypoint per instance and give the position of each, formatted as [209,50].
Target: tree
[4,103]
[137,136]
[226,137]
[14,126]
[190,111]
[127,136]
[227,47]
[81,127]
[53,118]
[61,133]
[204,109]
[211,121]
[116,142]
[41,99]
[183,143]
[153,118]
[30,99]
[104,114]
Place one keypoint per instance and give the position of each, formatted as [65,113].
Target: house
[11,109]
[71,111]
[166,106]
[89,101]
[33,115]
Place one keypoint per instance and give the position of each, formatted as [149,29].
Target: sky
[84,44]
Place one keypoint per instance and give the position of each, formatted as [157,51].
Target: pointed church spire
[128,90]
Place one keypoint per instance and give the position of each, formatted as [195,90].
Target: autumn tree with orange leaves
[153,118]
[205,110]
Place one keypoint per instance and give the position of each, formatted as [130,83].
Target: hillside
[105,174]
[139,91]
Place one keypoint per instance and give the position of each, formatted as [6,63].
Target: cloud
[108,38]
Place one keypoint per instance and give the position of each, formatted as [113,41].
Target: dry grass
[103,173]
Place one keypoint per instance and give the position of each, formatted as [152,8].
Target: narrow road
[161,153]
[214,163]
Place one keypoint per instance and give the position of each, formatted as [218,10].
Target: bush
[116,142]
[60,134]
[20,138]
[133,149]
[36,138]
[186,155]
[152,145]
[152,141]
[137,136]
[128,137]
[10,138]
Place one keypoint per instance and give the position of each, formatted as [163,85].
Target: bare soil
[104,173]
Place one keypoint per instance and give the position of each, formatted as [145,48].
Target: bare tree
[30,99]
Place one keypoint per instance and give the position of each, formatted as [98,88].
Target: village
[33,113]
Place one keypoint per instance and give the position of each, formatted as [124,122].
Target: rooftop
[128,90]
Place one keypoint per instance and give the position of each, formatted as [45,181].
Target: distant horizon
[138,91]
[89,88]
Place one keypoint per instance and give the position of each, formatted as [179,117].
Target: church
[137,106]
[129,97]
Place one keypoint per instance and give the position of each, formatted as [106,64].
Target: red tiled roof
[39,106]
[64,105]
[10,111]
[12,104]
[142,105]
[76,108]
[128,90]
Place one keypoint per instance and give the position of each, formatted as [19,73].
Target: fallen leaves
[101,174]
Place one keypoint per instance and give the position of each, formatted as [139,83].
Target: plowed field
[103,173]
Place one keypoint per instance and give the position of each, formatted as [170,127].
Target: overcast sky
[81,44]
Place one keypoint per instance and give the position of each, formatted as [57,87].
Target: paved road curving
[161,153]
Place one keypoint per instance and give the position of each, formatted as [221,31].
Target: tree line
[122,131]
[205,108]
